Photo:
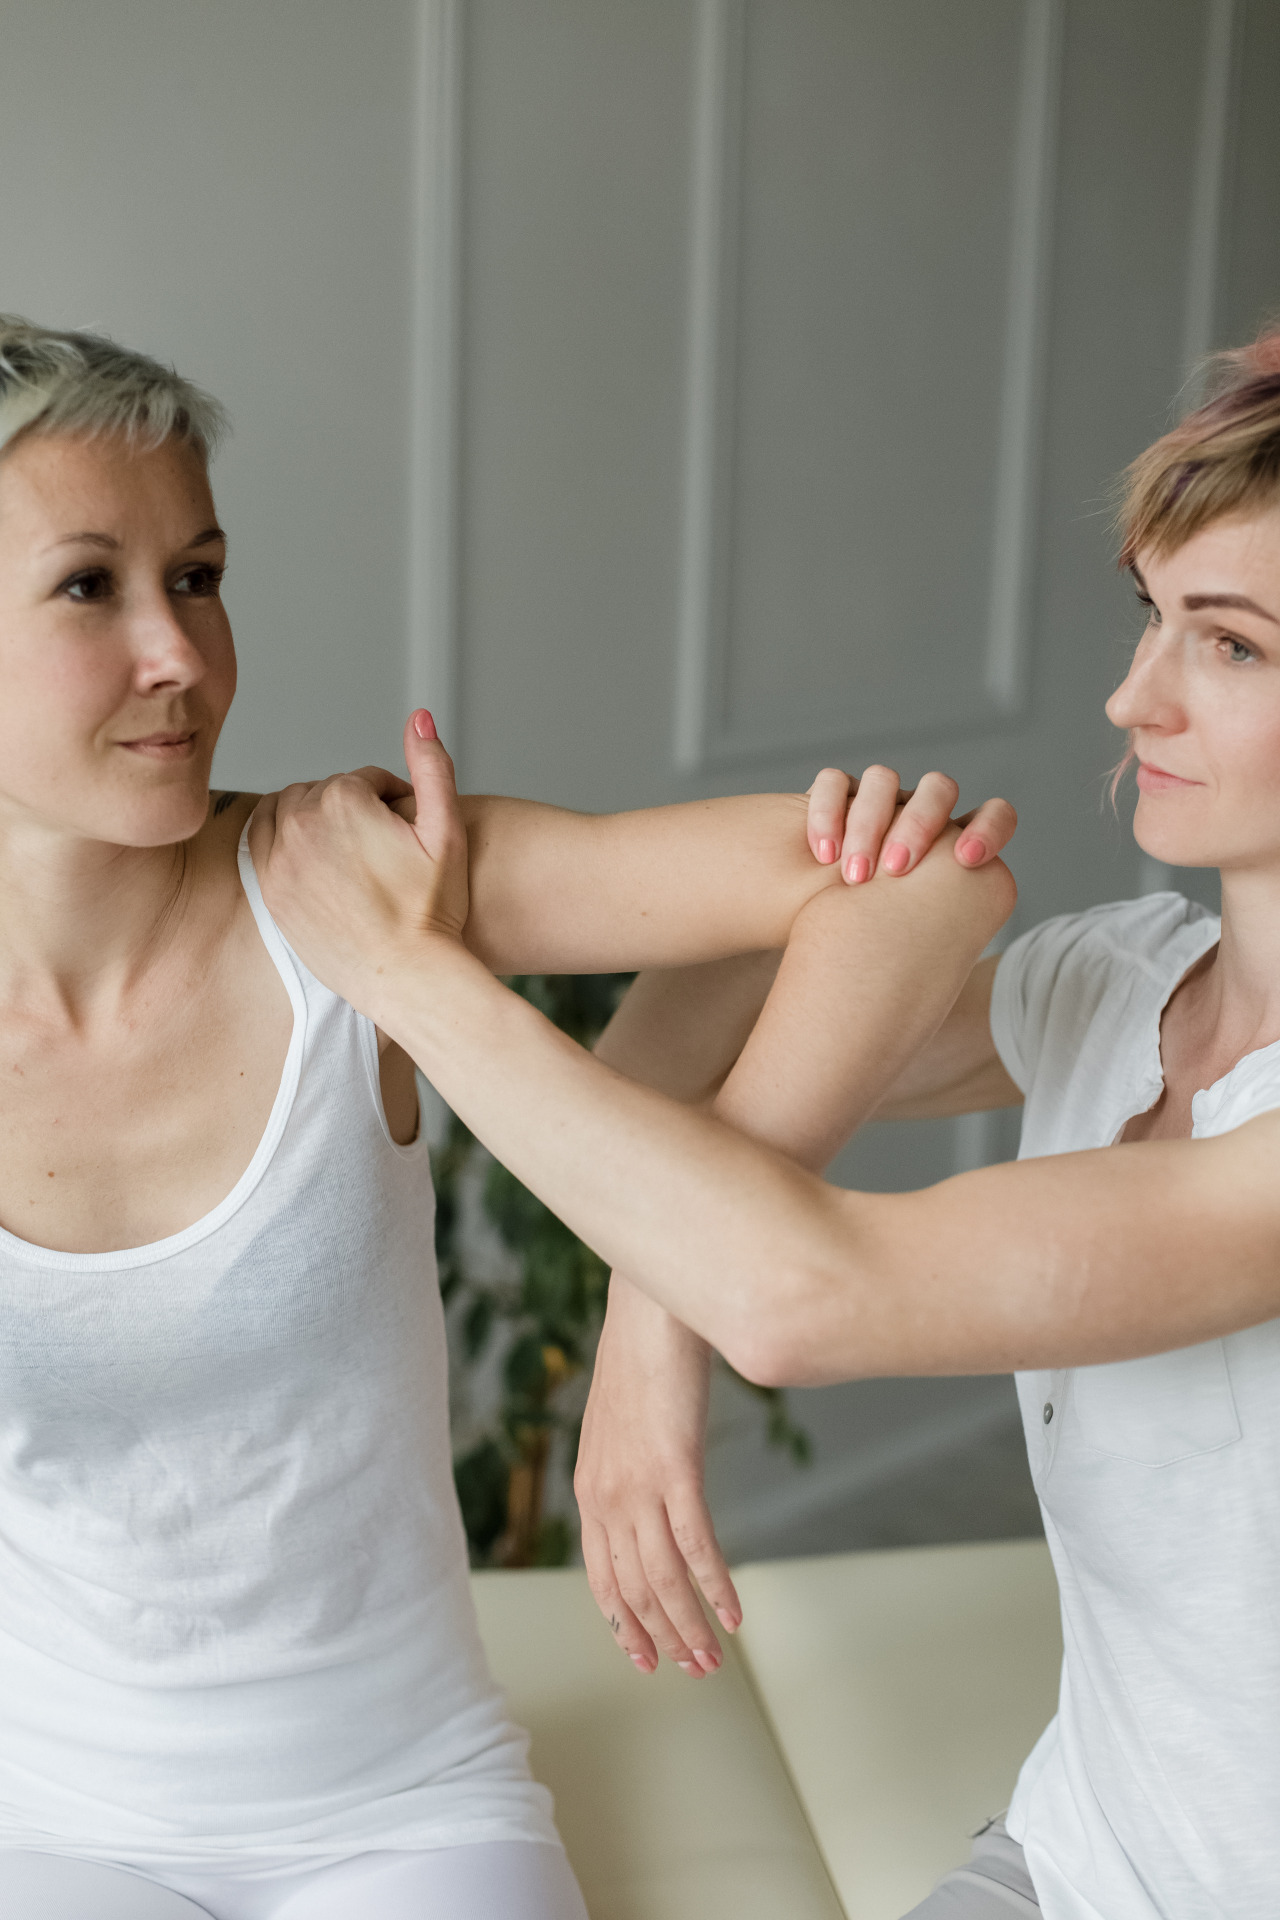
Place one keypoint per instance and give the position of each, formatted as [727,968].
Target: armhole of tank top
[373,1074]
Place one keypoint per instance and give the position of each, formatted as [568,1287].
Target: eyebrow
[210,536]
[1195,602]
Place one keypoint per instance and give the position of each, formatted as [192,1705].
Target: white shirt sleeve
[1029,974]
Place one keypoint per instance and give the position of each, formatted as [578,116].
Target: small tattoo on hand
[615,1623]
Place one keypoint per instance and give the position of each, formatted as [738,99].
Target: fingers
[654,1582]
[868,820]
[639,1576]
[828,804]
[602,1580]
[987,830]
[645,1581]
[921,820]
[695,1537]
[435,788]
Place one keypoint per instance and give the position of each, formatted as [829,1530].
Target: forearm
[680,1029]
[1064,1261]
[863,987]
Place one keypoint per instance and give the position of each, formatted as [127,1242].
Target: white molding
[1209,182]
[1026,335]
[720,27]
[702,739]
[432,665]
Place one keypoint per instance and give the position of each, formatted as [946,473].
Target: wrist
[392,990]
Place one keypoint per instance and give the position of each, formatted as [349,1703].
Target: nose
[167,659]
[1148,694]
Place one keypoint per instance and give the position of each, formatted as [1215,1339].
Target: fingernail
[707,1661]
[896,858]
[970,851]
[728,1621]
[424,726]
[826,851]
[640,1663]
[690,1667]
[857,867]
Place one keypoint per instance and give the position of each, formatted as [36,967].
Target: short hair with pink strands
[1223,458]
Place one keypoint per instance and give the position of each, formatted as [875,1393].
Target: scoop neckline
[151,1252]
[1155,1080]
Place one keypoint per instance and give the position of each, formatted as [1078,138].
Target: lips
[1156,780]
[161,746]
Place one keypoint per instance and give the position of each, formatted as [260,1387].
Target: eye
[1149,607]
[200,583]
[92,586]
[1236,651]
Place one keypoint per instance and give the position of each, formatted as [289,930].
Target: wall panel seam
[433,665]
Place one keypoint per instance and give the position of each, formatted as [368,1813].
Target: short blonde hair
[1223,458]
[84,384]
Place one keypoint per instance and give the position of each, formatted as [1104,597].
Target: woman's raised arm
[1060,1261]
[560,892]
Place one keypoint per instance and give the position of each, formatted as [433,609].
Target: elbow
[774,1341]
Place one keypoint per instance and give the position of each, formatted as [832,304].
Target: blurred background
[677,395]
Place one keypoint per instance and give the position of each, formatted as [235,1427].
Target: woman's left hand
[874,822]
[350,883]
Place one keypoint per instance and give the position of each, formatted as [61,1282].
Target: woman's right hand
[873,822]
[645,1522]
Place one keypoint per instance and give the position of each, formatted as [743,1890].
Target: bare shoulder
[214,870]
[224,823]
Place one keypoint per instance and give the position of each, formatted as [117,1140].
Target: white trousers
[501,1880]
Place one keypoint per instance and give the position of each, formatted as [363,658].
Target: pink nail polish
[728,1621]
[857,868]
[826,851]
[424,726]
[690,1667]
[896,858]
[707,1661]
[640,1663]
[970,851]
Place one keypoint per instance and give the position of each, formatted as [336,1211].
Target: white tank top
[235,1619]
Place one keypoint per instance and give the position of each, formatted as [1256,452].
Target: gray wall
[676,394]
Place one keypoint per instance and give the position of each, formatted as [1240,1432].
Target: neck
[83,918]
[1242,986]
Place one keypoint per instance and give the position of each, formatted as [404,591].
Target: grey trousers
[994,1886]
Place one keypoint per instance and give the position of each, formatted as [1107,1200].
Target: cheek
[60,690]
[1245,751]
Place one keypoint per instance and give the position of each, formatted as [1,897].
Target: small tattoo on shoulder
[223,801]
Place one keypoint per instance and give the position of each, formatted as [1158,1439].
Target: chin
[157,819]
[1178,843]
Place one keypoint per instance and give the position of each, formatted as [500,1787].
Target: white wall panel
[859,520]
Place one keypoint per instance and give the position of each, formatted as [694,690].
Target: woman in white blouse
[1128,1268]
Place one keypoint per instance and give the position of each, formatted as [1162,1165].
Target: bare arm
[1061,1261]
[555,891]
[560,892]
[1065,1260]
[843,1016]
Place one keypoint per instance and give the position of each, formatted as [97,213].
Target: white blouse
[1155,1792]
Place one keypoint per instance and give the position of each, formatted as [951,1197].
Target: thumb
[434,787]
